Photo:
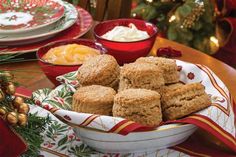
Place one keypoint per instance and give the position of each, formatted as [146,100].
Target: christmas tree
[190,22]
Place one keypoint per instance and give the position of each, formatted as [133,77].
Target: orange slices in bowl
[70,54]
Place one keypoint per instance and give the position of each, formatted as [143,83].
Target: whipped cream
[125,34]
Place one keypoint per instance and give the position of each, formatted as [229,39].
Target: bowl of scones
[147,91]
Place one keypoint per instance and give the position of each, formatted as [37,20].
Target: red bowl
[126,52]
[52,70]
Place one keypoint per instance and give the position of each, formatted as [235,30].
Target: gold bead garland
[13,109]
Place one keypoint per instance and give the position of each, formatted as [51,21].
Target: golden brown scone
[139,105]
[169,67]
[170,87]
[94,99]
[141,75]
[100,70]
[184,100]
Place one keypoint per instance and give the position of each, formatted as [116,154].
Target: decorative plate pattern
[82,25]
[26,15]
[71,15]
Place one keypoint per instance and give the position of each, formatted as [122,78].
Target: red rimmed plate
[82,25]
[17,16]
[69,19]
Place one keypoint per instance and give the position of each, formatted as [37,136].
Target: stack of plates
[31,23]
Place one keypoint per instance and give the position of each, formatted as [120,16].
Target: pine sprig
[9,58]
[31,133]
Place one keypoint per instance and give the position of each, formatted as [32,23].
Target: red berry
[46,107]
[38,103]
[168,52]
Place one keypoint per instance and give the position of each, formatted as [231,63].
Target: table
[29,74]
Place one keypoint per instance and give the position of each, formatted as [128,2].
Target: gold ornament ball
[18,101]
[22,119]
[23,108]
[12,118]
[2,111]
[11,89]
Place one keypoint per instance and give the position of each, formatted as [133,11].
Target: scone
[94,99]
[170,87]
[184,100]
[169,67]
[139,105]
[100,70]
[141,75]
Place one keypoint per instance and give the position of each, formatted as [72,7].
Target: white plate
[28,15]
[163,137]
[67,21]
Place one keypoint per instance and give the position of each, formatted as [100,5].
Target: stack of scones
[147,91]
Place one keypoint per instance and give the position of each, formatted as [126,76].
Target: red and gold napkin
[11,144]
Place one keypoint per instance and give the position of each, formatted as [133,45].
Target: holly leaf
[62,141]
[50,129]
[82,151]
[63,148]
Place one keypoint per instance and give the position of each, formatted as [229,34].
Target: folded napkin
[9,139]
[218,119]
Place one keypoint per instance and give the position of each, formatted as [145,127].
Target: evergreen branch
[31,133]
[7,57]
[18,60]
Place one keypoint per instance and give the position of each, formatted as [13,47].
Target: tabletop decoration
[14,110]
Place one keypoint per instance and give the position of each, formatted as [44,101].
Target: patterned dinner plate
[17,16]
[71,15]
[82,25]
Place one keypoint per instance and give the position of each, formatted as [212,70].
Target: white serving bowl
[163,137]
